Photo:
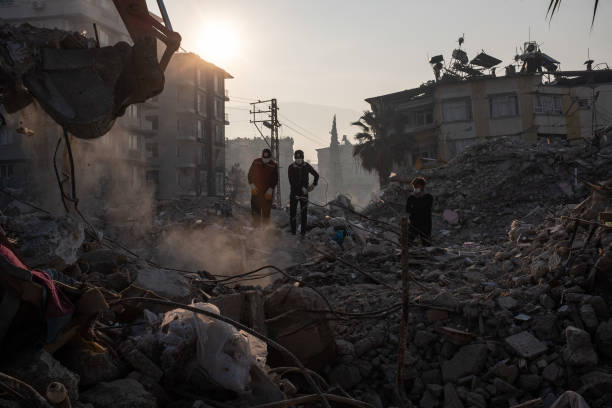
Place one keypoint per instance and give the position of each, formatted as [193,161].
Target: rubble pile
[481,191]
[519,321]
[489,325]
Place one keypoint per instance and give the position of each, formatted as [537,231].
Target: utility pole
[270,120]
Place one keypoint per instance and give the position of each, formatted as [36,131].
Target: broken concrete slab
[468,360]
[451,399]
[169,284]
[526,345]
[579,349]
[92,367]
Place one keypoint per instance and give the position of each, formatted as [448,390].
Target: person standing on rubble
[263,178]
[299,172]
[418,206]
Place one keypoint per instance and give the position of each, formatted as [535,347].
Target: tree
[554,5]
[382,142]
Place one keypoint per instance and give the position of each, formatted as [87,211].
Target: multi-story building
[445,116]
[243,151]
[187,149]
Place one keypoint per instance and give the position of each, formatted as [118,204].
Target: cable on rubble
[240,326]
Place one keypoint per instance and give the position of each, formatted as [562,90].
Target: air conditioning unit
[39,4]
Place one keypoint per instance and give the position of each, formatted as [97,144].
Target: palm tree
[554,5]
[382,142]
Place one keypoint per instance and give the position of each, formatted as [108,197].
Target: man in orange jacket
[263,178]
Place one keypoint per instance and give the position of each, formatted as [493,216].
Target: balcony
[226,119]
[227,98]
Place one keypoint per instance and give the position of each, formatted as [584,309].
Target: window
[548,104]
[152,177]
[133,142]
[203,156]
[202,104]
[6,170]
[219,109]
[132,111]
[153,150]
[220,137]
[422,118]
[503,106]
[457,110]
[178,151]
[6,136]
[185,97]
[216,84]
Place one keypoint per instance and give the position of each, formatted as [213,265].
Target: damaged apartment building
[468,103]
[172,144]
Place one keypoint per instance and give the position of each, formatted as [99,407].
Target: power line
[298,125]
[304,135]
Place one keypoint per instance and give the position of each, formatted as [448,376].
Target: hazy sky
[337,52]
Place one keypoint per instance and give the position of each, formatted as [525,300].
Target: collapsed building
[469,103]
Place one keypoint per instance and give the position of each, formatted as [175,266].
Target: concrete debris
[123,393]
[509,308]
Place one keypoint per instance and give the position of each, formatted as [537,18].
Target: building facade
[243,151]
[186,152]
[443,118]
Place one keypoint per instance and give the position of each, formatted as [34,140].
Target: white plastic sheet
[224,353]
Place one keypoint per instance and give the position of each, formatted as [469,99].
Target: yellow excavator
[82,86]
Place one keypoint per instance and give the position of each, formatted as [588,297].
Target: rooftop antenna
[529,34]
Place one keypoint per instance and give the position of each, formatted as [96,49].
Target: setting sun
[218,42]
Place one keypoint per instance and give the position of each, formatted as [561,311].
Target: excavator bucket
[84,88]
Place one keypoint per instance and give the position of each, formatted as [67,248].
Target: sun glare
[218,42]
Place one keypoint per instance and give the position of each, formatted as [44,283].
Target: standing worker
[419,206]
[263,178]
[298,180]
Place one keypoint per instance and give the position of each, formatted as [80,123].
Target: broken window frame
[553,104]
[467,107]
[511,100]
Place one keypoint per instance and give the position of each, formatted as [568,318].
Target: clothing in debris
[298,180]
[419,207]
[58,309]
[263,178]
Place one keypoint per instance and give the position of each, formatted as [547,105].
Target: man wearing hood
[298,180]
[263,178]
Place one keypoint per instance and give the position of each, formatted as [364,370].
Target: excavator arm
[83,87]
[140,23]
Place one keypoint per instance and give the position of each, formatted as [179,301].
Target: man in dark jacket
[298,180]
[263,178]
[419,206]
